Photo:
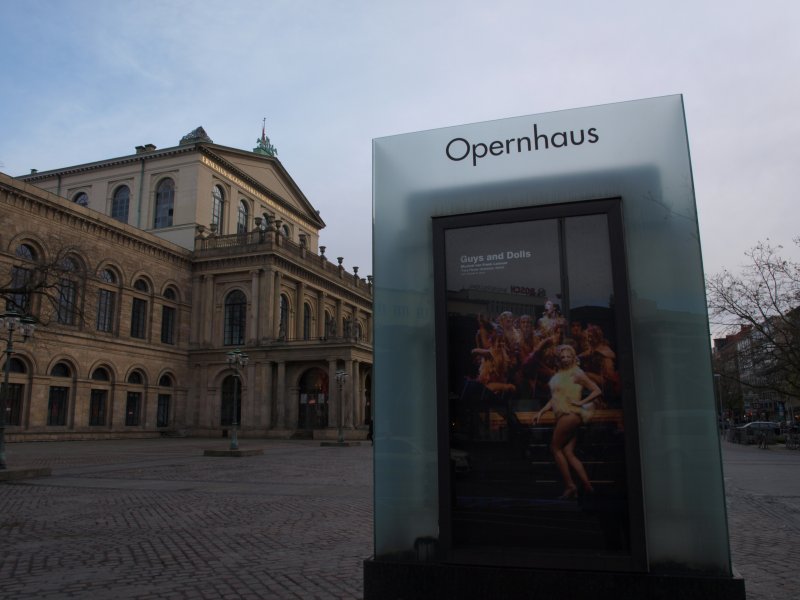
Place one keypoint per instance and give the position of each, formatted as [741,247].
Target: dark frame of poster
[633,557]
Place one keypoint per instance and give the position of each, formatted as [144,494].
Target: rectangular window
[105,310]
[139,318]
[97,407]
[167,325]
[14,404]
[57,405]
[67,293]
[162,414]
[132,407]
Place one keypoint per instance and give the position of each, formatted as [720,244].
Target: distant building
[178,256]
[743,363]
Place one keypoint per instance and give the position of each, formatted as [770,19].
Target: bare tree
[762,305]
[45,289]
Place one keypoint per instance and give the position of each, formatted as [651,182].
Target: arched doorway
[313,410]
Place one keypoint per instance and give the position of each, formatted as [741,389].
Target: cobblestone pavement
[156,519]
[150,519]
[763,495]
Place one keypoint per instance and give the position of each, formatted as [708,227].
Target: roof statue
[197,135]
[263,144]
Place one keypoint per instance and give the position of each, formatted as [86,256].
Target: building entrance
[313,409]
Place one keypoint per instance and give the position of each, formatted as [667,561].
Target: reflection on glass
[536,412]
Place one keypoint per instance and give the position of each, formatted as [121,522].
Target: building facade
[158,265]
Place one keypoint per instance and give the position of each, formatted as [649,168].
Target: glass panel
[139,318]
[132,408]
[638,152]
[235,318]
[167,325]
[162,413]
[536,414]
[67,293]
[164,202]
[57,405]
[16,392]
[105,310]
[97,407]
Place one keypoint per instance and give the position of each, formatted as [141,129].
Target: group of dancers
[572,366]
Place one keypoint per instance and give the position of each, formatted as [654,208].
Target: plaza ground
[157,519]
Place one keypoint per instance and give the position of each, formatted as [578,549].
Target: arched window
[164,401]
[67,307]
[101,374]
[285,231]
[98,397]
[61,370]
[241,222]
[120,203]
[15,392]
[306,321]
[165,199]
[17,366]
[359,331]
[106,301]
[59,396]
[283,328]
[139,311]
[81,199]
[19,300]
[217,206]
[26,251]
[330,325]
[168,316]
[133,404]
[235,318]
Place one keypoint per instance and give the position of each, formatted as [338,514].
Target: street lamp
[10,322]
[237,360]
[341,377]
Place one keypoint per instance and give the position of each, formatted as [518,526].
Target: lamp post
[237,360]
[10,322]
[341,377]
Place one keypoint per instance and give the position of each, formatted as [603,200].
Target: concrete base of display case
[387,580]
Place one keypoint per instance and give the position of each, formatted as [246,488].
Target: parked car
[752,431]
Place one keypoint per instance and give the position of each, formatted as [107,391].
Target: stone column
[266,394]
[293,407]
[195,336]
[339,331]
[333,396]
[255,303]
[358,396]
[276,305]
[265,311]
[208,309]
[349,397]
[300,310]
[280,395]
[321,315]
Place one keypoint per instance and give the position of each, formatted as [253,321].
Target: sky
[86,80]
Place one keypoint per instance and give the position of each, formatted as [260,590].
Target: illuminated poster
[539,420]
